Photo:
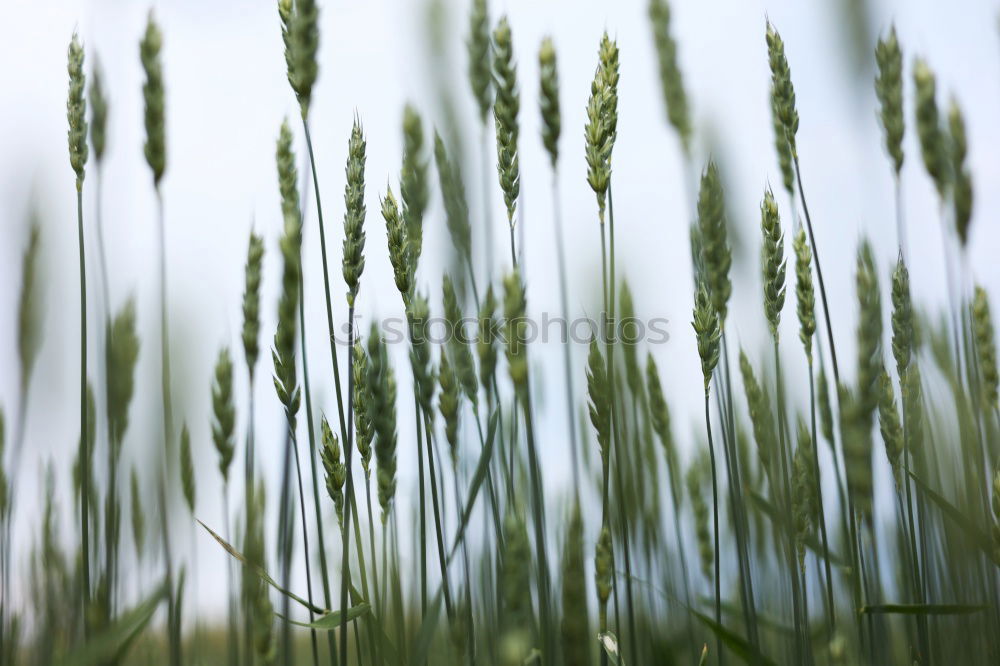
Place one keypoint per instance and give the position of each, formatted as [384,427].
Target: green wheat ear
[604,566]
[76,111]
[121,355]
[782,91]
[772,262]
[515,308]
[224,412]
[187,469]
[549,99]
[706,328]
[890,426]
[336,471]
[805,297]
[253,272]
[98,114]
[986,351]
[761,417]
[932,137]
[869,332]
[889,90]
[398,247]
[381,388]
[413,186]
[805,508]
[575,621]
[29,331]
[962,193]
[486,339]
[714,257]
[354,213]
[363,416]
[449,403]
[660,417]
[138,516]
[703,530]
[155,147]
[505,110]
[598,390]
[671,79]
[455,206]
[478,46]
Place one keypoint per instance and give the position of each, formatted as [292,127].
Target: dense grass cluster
[740,548]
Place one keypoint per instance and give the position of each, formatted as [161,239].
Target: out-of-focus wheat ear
[413,186]
[122,354]
[515,312]
[224,412]
[478,46]
[455,206]
[889,90]
[576,617]
[660,417]
[598,392]
[962,193]
[448,404]
[986,351]
[98,113]
[932,137]
[506,107]
[138,516]
[716,257]
[869,332]
[857,442]
[603,573]
[333,465]
[155,148]
[382,390]
[29,333]
[354,213]
[421,359]
[703,530]
[772,262]
[824,404]
[548,99]
[804,489]
[458,343]
[671,79]
[486,340]
[805,296]
[890,427]
[252,275]
[515,590]
[187,469]
[762,420]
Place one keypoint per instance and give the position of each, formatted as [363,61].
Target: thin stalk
[305,545]
[715,523]
[819,270]
[822,512]
[567,353]
[324,574]
[423,505]
[326,286]
[84,439]
[348,459]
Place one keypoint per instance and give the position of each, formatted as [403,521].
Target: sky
[227,95]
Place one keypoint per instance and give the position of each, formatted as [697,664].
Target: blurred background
[226,97]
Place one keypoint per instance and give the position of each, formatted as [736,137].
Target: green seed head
[986,351]
[772,262]
[252,274]
[301,47]
[869,332]
[505,110]
[932,138]
[336,471]
[363,426]
[413,185]
[224,410]
[823,400]
[761,416]
[715,257]
[478,45]
[660,417]
[855,427]
[703,530]
[455,207]
[354,213]
[549,99]
[574,626]
[962,193]
[913,408]
[515,563]
[902,317]
[670,74]
[76,111]
[889,90]
[283,352]
[890,426]
[381,389]
[486,341]
[155,148]
[598,390]
[706,328]
[515,307]
[287,173]
[804,295]
[782,91]
[459,347]
[398,250]
[138,516]
[122,352]
[418,316]
[187,469]
[448,403]
[29,331]
[783,149]
[603,566]
[805,505]
[601,130]
[98,114]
